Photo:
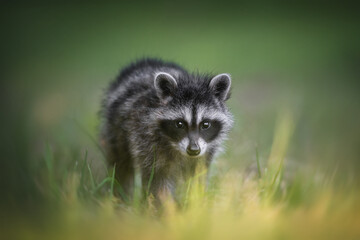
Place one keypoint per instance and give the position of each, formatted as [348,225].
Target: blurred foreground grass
[263,204]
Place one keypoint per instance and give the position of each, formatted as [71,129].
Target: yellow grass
[238,208]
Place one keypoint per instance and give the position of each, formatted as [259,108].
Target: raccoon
[160,118]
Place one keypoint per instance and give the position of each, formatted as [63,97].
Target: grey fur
[140,122]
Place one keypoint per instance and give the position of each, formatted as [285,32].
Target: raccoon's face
[194,118]
[192,138]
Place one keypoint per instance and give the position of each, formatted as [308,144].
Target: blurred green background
[58,58]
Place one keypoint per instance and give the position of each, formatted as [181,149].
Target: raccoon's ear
[165,85]
[220,84]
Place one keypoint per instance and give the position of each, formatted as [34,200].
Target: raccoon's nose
[193,149]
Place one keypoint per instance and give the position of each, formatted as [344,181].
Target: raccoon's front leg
[159,184]
[119,157]
[124,174]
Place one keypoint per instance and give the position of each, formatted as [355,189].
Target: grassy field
[289,169]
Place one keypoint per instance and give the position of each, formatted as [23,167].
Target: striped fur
[140,122]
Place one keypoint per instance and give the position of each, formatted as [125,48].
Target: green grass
[236,205]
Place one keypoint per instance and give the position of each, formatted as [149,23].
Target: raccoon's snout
[193,149]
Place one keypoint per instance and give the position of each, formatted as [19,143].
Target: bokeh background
[58,58]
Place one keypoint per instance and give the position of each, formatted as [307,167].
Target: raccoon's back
[133,90]
[143,69]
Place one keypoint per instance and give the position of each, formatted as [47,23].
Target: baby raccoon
[164,120]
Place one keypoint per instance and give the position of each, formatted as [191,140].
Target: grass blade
[112,181]
[93,184]
[151,174]
[258,162]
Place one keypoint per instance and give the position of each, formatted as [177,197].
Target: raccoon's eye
[179,124]
[205,125]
